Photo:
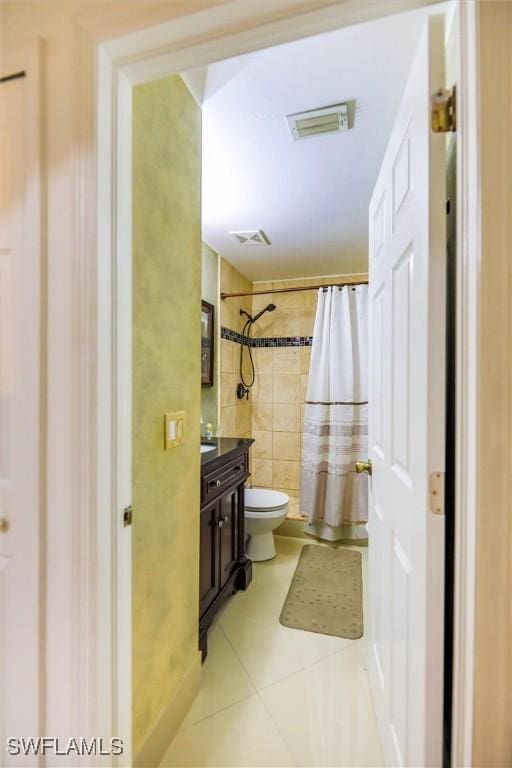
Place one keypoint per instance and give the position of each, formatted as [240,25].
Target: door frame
[28,62]
[104,182]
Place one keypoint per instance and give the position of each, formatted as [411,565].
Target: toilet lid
[264,498]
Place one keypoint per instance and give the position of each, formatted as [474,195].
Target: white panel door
[20,433]
[406,421]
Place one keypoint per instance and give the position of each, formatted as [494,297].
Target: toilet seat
[265,500]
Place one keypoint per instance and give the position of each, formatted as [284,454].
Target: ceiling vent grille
[251,237]
[304,125]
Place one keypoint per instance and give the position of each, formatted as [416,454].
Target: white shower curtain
[333,497]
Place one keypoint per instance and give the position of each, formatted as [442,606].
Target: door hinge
[443,112]
[436,492]
[127,516]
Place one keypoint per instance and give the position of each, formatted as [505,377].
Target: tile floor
[273,696]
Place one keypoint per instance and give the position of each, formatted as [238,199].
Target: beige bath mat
[326,593]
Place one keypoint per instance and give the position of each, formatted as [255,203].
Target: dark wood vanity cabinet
[223,566]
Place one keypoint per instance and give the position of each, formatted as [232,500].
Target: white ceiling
[310,196]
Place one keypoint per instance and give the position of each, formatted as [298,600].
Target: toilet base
[261,546]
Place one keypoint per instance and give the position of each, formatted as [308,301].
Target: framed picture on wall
[207,311]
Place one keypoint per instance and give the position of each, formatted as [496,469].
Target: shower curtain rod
[291,290]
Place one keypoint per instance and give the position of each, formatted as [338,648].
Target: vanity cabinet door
[228,513]
[224,568]
[209,584]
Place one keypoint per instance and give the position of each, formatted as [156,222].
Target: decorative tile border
[226,333]
[283,341]
[270,341]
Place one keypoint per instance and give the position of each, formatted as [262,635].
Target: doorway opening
[287,381]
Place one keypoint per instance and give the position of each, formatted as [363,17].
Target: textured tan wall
[166,377]
[235,415]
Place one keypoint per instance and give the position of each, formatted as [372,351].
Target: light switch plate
[174,428]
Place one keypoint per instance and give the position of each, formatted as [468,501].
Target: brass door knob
[4,525]
[364,466]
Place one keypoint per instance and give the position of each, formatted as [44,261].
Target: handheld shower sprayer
[251,319]
[268,308]
[244,387]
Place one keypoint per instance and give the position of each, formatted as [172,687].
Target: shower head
[268,308]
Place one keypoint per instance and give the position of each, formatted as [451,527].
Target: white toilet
[264,510]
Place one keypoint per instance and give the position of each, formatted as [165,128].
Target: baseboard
[295,529]
[156,745]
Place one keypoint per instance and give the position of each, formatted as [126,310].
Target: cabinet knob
[220,523]
[216,483]
[239,468]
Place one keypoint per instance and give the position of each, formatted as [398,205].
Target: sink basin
[206,448]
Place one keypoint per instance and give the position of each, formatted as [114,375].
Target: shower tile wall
[235,416]
[280,389]
[274,415]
